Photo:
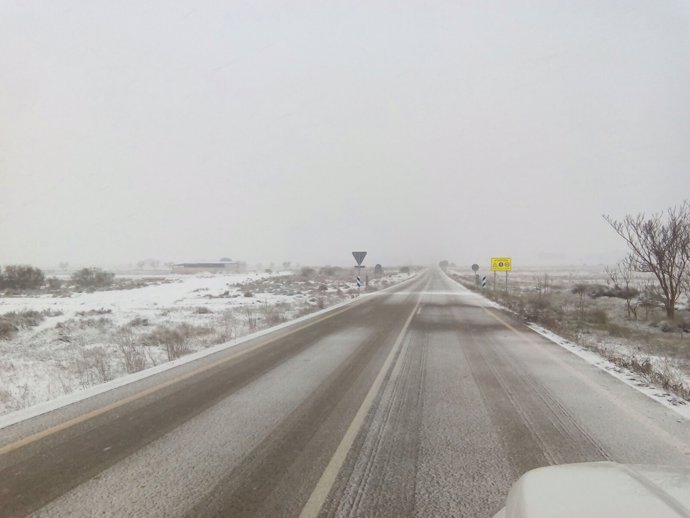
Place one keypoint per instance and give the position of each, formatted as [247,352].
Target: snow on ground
[174,291]
[77,340]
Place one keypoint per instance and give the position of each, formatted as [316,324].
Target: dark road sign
[359,257]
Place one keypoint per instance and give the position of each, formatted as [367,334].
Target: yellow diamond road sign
[501,264]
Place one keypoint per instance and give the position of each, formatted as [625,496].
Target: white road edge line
[324,485]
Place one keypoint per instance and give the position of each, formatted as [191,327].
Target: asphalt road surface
[417,401]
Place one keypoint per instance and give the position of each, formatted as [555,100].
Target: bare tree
[659,244]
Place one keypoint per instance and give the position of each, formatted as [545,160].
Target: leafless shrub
[672,379]
[250,318]
[132,353]
[171,339]
[54,283]
[21,277]
[543,284]
[175,340]
[621,276]
[24,319]
[539,308]
[7,328]
[138,322]
[228,327]
[92,366]
[92,278]
[272,314]
[91,312]
[98,323]
[665,374]
[677,325]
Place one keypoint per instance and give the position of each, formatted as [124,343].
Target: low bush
[175,339]
[54,283]
[24,319]
[21,277]
[7,328]
[139,322]
[91,312]
[92,278]
[273,315]
[596,291]
[133,354]
[92,367]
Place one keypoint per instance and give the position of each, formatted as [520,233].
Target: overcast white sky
[273,131]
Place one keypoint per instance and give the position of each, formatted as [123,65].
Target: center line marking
[325,484]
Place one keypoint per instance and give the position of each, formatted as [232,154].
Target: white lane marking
[325,483]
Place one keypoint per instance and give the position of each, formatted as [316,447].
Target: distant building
[220,267]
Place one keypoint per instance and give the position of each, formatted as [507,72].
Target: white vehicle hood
[600,489]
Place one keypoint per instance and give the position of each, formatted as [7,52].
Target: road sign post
[475,268]
[501,264]
[359,257]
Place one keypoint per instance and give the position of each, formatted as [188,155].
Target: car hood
[600,489]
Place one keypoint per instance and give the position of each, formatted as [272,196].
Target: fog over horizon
[275,131]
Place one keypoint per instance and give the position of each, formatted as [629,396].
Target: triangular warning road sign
[359,257]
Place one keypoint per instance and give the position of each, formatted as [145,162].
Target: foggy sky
[274,131]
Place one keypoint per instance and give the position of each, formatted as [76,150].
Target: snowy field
[67,342]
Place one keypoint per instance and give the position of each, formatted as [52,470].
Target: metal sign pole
[359,278]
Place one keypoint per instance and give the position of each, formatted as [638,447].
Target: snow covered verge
[616,362]
[660,377]
[59,345]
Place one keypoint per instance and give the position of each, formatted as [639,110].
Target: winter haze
[300,131]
